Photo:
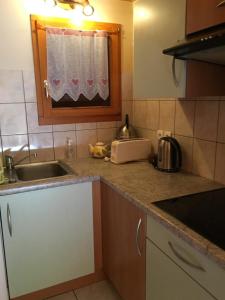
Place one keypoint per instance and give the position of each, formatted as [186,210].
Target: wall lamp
[88,10]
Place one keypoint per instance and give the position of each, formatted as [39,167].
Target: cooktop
[203,212]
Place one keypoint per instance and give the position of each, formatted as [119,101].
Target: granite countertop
[140,183]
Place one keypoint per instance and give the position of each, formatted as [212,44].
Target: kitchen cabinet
[167,281]
[157,26]
[203,14]
[124,228]
[3,285]
[48,237]
[175,270]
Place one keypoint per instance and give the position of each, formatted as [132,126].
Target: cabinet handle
[184,260]
[221,4]
[9,220]
[46,87]
[137,236]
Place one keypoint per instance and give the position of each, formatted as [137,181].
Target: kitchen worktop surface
[140,183]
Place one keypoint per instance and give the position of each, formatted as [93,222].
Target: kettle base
[168,170]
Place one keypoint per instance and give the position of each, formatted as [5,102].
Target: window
[68,90]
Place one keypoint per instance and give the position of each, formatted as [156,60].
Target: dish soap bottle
[69,150]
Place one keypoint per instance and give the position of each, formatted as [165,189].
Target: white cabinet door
[167,281]
[51,238]
[3,286]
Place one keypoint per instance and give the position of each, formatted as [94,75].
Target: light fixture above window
[88,9]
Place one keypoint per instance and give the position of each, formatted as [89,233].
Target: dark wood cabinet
[202,14]
[124,253]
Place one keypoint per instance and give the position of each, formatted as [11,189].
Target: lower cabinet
[124,247]
[176,270]
[48,237]
[165,280]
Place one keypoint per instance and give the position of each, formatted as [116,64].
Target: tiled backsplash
[19,123]
[197,124]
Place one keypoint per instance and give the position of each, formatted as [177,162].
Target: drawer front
[199,267]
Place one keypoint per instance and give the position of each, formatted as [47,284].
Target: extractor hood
[208,47]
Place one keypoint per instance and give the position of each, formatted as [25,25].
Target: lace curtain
[77,63]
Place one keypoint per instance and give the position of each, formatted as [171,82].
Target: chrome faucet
[9,161]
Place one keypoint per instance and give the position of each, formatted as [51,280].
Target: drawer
[199,267]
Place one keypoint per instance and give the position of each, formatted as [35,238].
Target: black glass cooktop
[203,213]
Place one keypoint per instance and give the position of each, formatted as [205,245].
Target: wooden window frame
[48,115]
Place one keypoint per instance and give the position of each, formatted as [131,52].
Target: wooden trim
[97,219]
[49,115]
[70,120]
[64,287]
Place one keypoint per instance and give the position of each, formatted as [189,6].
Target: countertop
[141,184]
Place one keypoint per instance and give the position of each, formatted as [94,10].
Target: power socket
[160,133]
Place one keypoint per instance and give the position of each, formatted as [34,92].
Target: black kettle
[169,158]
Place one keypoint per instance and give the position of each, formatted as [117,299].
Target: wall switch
[160,133]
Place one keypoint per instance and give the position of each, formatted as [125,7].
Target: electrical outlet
[167,133]
[160,133]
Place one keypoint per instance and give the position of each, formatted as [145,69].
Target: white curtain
[77,63]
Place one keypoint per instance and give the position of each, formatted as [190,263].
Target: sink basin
[202,212]
[41,171]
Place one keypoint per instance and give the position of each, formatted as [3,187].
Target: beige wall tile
[85,137]
[167,115]
[64,127]
[32,120]
[186,144]
[152,118]
[220,163]
[106,124]
[15,143]
[85,126]
[184,119]
[13,119]
[151,135]
[204,154]
[11,86]
[206,120]
[127,108]
[106,135]
[139,114]
[29,86]
[60,143]
[221,126]
[42,144]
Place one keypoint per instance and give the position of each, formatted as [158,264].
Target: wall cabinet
[48,237]
[123,244]
[203,14]
[157,26]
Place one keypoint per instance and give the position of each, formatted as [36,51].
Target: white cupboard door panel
[167,281]
[52,237]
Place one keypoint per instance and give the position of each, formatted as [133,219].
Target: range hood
[208,47]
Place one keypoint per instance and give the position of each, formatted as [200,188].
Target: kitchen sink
[42,170]
[202,212]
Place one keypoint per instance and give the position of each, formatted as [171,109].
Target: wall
[197,124]
[18,109]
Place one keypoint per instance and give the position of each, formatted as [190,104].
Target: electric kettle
[169,158]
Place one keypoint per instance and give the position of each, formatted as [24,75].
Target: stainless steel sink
[42,170]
